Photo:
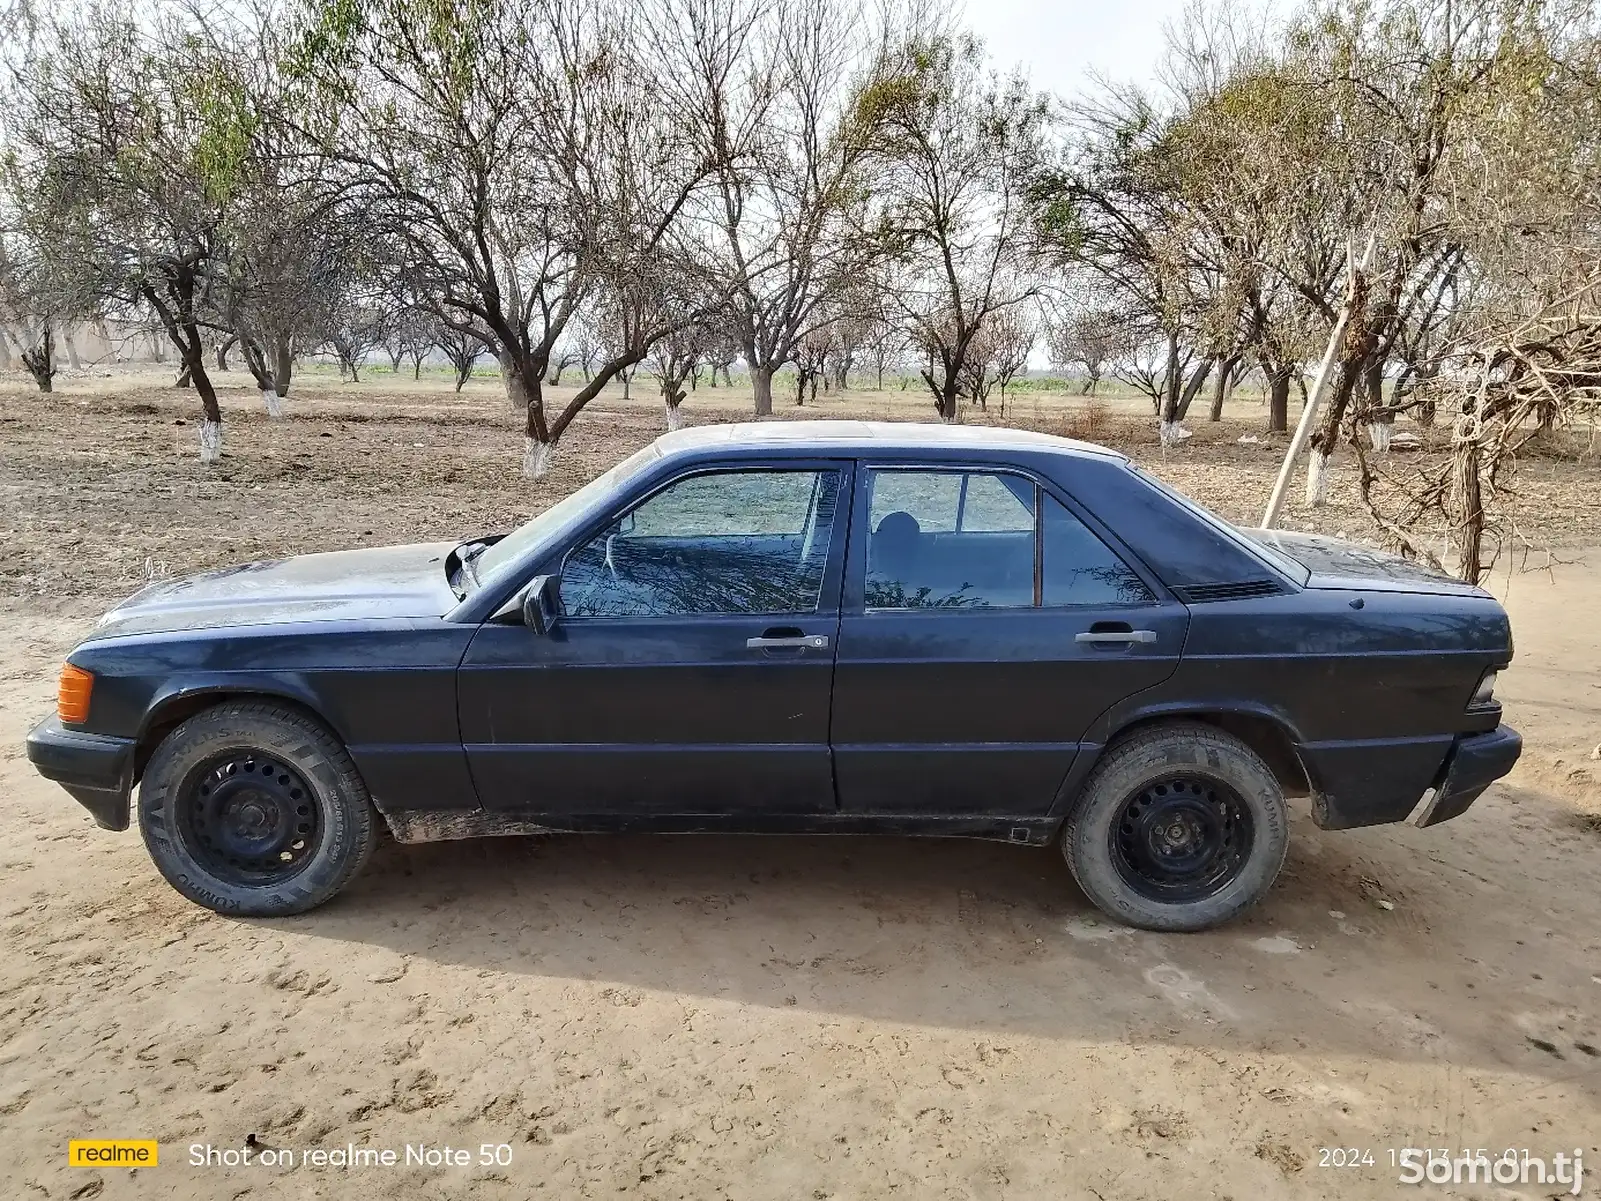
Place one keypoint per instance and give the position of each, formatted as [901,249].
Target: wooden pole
[1303,431]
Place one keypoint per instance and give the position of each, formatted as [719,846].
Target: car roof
[833,437]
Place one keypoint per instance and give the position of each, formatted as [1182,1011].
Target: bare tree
[811,362]
[1087,341]
[519,155]
[463,350]
[672,362]
[767,100]
[959,152]
[134,138]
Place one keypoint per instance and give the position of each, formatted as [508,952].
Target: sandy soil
[745,1017]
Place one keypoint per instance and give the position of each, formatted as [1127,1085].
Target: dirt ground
[700,1017]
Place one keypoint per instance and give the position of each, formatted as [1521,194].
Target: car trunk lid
[1336,563]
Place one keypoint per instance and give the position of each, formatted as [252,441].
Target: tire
[1161,799]
[255,810]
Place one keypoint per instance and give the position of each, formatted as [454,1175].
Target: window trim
[833,563]
[853,592]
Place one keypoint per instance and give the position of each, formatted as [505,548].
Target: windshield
[564,512]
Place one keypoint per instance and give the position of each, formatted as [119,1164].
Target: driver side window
[730,542]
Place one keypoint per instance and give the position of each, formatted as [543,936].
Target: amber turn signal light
[72,698]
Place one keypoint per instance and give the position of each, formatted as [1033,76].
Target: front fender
[189,693]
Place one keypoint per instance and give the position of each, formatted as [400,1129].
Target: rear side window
[983,540]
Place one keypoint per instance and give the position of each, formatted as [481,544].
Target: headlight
[1484,694]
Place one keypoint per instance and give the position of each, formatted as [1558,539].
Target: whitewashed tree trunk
[536,458]
[1380,432]
[675,419]
[1317,479]
[1172,433]
[274,402]
[210,441]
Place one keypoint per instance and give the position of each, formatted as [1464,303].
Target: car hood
[1335,563]
[376,582]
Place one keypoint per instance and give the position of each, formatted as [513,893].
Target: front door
[690,670]
[985,628]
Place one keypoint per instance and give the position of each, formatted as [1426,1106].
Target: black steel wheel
[255,809]
[1181,839]
[1179,827]
[249,818]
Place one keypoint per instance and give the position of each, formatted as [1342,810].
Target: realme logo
[112,1152]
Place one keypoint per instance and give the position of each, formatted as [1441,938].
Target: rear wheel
[1180,827]
[256,810]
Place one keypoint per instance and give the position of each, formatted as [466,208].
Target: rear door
[985,625]
[690,670]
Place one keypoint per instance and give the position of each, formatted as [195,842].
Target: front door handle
[816,642]
[1116,636]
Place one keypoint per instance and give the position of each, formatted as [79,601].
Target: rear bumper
[1475,762]
[95,768]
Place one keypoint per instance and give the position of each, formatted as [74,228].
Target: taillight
[72,697]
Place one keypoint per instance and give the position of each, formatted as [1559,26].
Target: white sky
[1059,42]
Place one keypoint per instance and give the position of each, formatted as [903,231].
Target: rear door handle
[1116,636]
[816,642]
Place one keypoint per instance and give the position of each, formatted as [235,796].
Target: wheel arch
[174,706]
[1270,735]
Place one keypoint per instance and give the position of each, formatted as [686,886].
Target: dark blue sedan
[805,627]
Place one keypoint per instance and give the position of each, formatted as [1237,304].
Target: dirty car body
[820,627]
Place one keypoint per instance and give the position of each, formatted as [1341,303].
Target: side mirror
[542,603]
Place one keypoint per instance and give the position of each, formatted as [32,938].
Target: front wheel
[1180,827]
[255,810]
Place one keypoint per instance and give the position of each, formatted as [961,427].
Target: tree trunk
[1381,418]
[283,365]
[1278,400]
[185,376]
[394,359]
[675,419]
[1466,492]
[211,412]
[222,352]
[5,352]
[1328,434]
[1220,387]
[523,389]
[1168,432]
[416,366]
[1193,388]
[40,360]
[761,379]
[72,350]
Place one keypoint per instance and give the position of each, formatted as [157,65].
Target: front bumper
[1475,762]
[95,768]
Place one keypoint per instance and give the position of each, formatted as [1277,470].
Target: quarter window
[984,540]
[735,542]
